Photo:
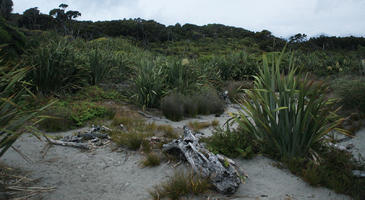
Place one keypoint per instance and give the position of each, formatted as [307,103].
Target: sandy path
[106,175]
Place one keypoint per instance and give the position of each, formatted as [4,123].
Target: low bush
[233,143]
[148,83]
[352,92]
[56,68]
[181,184]
[334,170]
[288,115]
[177,106]
[65,115]
[173,107]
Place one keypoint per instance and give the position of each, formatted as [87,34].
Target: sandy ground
[102,174]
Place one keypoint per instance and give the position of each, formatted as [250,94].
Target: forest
[59,74]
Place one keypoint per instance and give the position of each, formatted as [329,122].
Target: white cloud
[282,17]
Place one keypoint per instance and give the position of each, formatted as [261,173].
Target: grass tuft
[181,184]
[151,160]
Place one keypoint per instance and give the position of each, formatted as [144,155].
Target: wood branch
[69,144]
[222,171]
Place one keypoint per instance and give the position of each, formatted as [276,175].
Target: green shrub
[65,115]
[148,83]
[209,102]
[99,65]
[177,106]
[232,143]
[85,111]
[181,184]
[333,170]
[181,76]
[57,68]
[351,92]
[173,106]
[290,116]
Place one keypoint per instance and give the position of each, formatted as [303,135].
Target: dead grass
[151,160]
[14,184]
[181,184]
[197,126]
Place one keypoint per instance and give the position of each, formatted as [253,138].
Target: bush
[209,102]
[148,83]
[333,170]
[65,115]
[351,92]
[173,106]
[57,68]
[232,143]
[290,116]
[177,106]
[179,185]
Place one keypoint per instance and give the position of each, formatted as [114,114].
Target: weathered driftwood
[69,144]
[223,173]
[81,140]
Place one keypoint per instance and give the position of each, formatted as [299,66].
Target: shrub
[181,77]
[351,93]
[57,68]
[173,106]
[99,63]
[65,115]
[176,106]
[290,116]
[179,185]
[334,170]
[148,83]
[232,143]
[209,102]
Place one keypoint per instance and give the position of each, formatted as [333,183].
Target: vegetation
[181,184]
[233,143]
[151,160]
[351,92]
[89,67]
[291,115]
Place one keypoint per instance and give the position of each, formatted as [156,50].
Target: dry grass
[151,160]
[14,184]
[197,126]
[181,184]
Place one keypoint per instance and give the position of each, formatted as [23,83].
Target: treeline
[150,31]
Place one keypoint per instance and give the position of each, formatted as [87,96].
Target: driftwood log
[222,172]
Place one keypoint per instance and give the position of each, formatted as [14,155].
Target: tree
[6,6]
[30,17]
[300,37]
[63,17]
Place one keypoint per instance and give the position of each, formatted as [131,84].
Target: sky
[282,17]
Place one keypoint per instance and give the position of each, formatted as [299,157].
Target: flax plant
[287,113]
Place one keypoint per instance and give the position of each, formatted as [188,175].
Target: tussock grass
[151,160]
[196,126]
[131,140]
[181,184]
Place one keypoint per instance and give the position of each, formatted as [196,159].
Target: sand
[106,175]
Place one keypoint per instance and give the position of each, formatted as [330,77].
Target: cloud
[281,17]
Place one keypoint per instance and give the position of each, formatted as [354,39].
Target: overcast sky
[282,17]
